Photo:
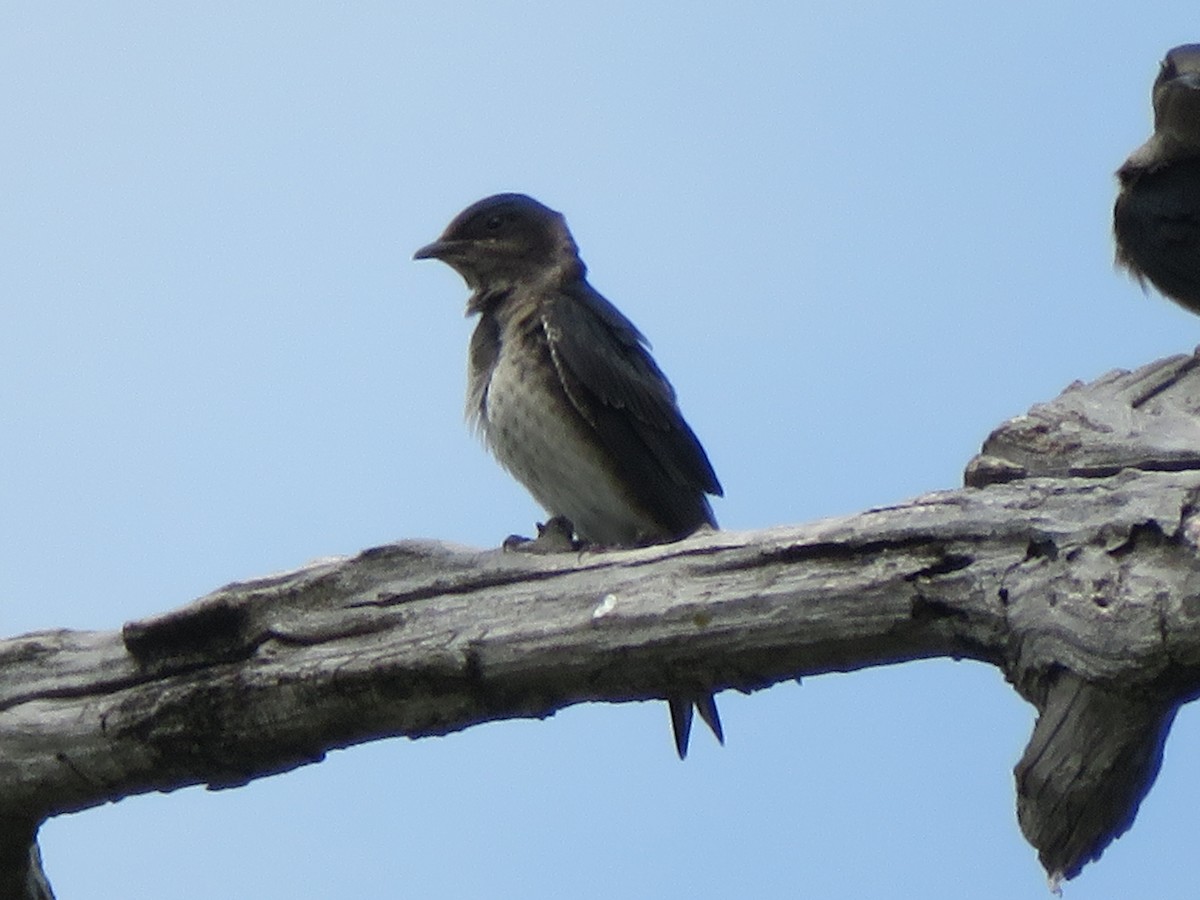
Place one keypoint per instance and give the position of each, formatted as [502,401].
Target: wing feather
[606,370]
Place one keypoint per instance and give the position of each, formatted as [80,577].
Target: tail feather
[707,707]
[681,718]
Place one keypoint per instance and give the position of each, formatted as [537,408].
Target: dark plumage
[566,393]
[1156,220]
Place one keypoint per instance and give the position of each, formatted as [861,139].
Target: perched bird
[1156,219]
[567,396]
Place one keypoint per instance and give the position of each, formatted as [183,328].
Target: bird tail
[681,718]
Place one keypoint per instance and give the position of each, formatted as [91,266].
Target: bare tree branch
[1070,563]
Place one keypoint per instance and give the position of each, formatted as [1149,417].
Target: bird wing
[613,382]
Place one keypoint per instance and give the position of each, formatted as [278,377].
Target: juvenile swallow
[567,397]
[1156,220]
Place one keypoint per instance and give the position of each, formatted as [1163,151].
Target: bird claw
[557,535]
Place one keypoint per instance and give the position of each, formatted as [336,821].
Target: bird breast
[540,437]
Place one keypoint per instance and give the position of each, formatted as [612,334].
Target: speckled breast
[537,435]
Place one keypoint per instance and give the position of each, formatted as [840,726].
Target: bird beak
[436,250]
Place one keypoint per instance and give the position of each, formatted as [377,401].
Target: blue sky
[859,236]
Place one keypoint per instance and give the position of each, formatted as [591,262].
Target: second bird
[567,395]
[1156,219]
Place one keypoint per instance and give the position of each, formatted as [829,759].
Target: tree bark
[1069,561]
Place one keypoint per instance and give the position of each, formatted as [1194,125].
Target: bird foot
[557,535]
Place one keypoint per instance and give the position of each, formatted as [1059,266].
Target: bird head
[1176,96]
[503,240]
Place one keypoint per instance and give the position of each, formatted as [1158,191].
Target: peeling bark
[1069,561]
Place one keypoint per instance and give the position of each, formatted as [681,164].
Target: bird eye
[494,223]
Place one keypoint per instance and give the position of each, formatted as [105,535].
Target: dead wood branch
[1070,562]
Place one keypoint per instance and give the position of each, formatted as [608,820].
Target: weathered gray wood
[1146,419]
[1082,584]
[1072,791]
[1098,742]
[21,875]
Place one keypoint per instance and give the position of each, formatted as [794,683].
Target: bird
[1156,218]
[567,397]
